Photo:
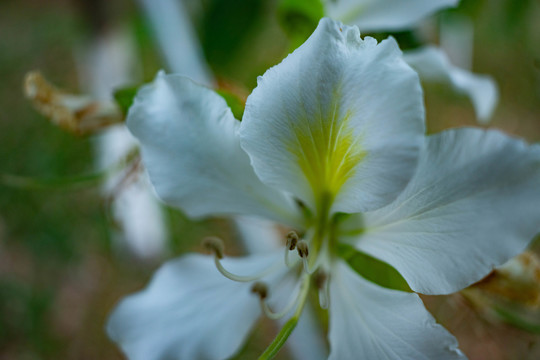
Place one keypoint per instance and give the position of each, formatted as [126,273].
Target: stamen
[216,246]
[293,301]
[260,289]
[303,251]
[292,239]
[302,248]
[321,281]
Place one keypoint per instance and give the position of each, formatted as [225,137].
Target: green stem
[31,183]
[289,326]
[69,182]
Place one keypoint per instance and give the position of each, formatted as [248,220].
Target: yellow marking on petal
[327,151]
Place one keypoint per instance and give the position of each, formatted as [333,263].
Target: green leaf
[65,183]
[124,97]
[68,182]
[373,269]
[299,18]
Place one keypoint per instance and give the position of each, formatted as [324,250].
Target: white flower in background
[384,15]
[431,63]
[108,62]
[337,127]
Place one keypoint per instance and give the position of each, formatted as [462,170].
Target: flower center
[326,148]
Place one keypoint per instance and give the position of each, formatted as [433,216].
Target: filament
[216,246]
[245,278]
[306,266]
[292,302]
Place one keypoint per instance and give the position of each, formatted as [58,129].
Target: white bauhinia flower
[337,127]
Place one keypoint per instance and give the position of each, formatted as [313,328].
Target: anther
[302,248]
[292,239]
[260,289]
[303,251]
[214,245]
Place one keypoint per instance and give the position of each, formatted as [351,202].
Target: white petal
[432,64]
[258,236]
[190,311]
[340,116]
[471,206]
[384,15]
[371,322]
[191,149]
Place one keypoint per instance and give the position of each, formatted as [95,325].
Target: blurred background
[62,265]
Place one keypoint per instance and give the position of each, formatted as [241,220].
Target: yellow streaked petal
[327,151]
[338,124]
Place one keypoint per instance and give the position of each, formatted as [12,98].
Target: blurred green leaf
[406,39]
[299,18]
[372,269]
[61,183]
[124,97]
[226,27]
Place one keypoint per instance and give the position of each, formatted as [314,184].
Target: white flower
[337,127]
[431,63]
[384,15]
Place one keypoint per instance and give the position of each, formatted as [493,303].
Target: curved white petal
[371,322]
[384,15]
[340,117]
[432,64]
[190,311]
[472,205]
[191,150]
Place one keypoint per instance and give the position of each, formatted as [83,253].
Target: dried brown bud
[76,113]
